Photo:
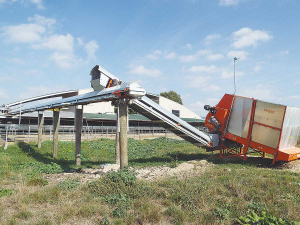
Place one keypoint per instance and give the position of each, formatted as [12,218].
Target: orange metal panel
[235,138]
[289,154]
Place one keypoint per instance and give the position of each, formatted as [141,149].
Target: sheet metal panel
[240,116]
[291,128]
[265,135]
[269,114]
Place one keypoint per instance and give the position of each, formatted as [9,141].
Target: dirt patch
[84,175]
[183,170]
[293,166]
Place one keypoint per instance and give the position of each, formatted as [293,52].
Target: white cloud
[258,67]
[58,43]
[293,97]
[230,2]
[246,37]
[198,106]
[297,82]
[30,71]
[80,41]
[6,78]
[226,74]
[38,90]
[241,55]
[37,34]
[39,3]
[211,37]
[171,55]
[90,49]
[188,58]
[141,70]
[261,92]
[215,57]
[23,33]
[189,46]
[16,60]
[203,69]
[155,55]
[201,82]
[37,19]
[192,58]
[285,52]
[64,60]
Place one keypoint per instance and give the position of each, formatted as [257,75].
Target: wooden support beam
[123,133]
[55,131]
[117,149]
[78,128]
[40,129]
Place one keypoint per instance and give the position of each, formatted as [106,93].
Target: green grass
[229,192]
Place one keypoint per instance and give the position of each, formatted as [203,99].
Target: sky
[187,46]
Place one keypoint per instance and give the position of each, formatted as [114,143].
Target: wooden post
[123,134]
[117,149]
[55,131]
[40,129]
[78,128]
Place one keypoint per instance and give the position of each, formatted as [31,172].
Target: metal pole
[235,58]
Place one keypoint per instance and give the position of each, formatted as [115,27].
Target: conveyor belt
[166,119]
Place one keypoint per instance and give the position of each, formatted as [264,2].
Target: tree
[172,95]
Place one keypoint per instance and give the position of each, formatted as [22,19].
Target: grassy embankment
[220,195]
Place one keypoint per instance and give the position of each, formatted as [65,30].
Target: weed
[39,168]
[69,184]
[264,219]
[256,206]
[125,176]
[104,221]
[221,213]
[6,192]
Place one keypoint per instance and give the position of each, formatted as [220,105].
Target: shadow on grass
[47,158]
[213,158]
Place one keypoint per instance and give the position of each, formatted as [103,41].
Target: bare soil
[183,170]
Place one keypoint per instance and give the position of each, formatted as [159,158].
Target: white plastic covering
[291,128]
[240,116]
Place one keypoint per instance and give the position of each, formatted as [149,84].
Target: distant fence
[14,133]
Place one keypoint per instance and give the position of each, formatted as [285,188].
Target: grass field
[228,192]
